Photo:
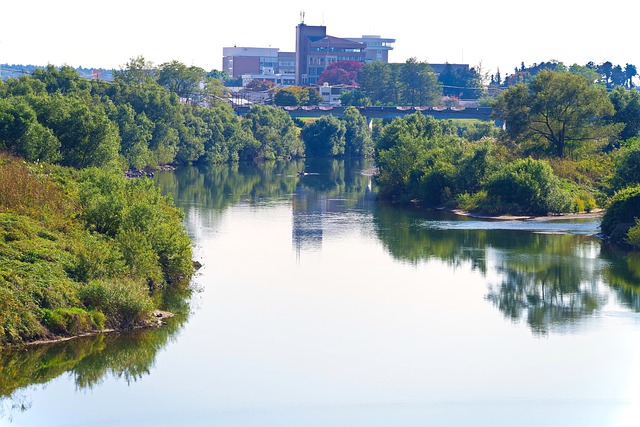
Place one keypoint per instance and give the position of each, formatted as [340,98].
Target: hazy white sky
[495,34]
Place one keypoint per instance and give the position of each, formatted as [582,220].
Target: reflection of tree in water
[552,292]
[405,236]
[623,275]
[328,189]
[216,187]
[90,360]
[551,280]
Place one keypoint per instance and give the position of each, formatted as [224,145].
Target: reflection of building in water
[309,208]
[321,200]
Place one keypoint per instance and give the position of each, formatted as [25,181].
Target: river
[319,306]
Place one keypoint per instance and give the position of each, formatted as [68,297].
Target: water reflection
[329,192]
[218,187]
[552,291]
[623,275]
[89,361]
[551,281]
[547,273]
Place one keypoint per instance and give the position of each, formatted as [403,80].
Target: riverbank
[157,319]
[596,213]
[84,251]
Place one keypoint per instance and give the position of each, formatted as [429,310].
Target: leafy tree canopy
[560,109]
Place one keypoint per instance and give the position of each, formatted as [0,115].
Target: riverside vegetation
[85,249]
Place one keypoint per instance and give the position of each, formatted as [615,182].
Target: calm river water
[317,306]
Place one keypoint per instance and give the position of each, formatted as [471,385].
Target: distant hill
[18,70]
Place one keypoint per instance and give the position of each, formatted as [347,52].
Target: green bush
[125,303]
[627,168]
[529,187]
[622,213]
[471,202]
[69,321]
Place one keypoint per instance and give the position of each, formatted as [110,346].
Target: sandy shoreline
[583,215]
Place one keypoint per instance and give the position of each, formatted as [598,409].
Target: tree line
[148,116]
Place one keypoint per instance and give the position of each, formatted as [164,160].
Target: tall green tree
[560,109]
[275,132]
[136,72]
[630,72]
[358,141]
[461,83]
[627,111]
[296,95]
[87,136]
[22,134]
[64,80]
[324,137]
[182,80]
[419,84]
[227,138]
[376,82]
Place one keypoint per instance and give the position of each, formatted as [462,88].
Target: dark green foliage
[275,132]
[423,160]
[358,141]
[227,138]
[286,98]
[296,95]
[627,111]
[377,83]
[182,80]
[324,137]
[87,136]
[20,132]
[136,132]
[527,186]
[418,84]
[633,235]
[124,303]
[407,151]
[622,213]
[559,110]
[461,83]
[628,168]
[410,83]
[146,227]
[63,81]
[146,117]
[475,130]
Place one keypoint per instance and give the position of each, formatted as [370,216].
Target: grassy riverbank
[83,251]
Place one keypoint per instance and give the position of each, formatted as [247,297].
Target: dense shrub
[81,250]
[324,137]
[627,168]
[621,214]
[71,321]
[529,187]
[125,303]
[358,141]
